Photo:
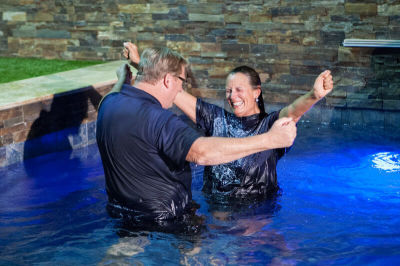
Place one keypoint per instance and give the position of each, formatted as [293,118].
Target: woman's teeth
[237,103]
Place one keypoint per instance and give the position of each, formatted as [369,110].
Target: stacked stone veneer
[288,41]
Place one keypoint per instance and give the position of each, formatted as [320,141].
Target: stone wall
[288,41]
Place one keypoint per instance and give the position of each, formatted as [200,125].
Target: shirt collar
[135,92]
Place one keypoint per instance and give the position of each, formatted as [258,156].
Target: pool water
[339,204]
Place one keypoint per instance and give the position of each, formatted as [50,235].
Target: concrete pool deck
[22,91]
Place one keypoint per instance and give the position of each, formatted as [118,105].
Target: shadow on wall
[60,127]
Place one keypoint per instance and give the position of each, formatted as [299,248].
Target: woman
[254,174]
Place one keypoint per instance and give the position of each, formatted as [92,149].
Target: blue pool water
[340,204]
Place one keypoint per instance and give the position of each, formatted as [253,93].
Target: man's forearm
[217,150]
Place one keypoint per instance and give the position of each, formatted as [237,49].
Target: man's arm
[216,150]
[322,86]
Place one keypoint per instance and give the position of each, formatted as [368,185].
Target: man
[146,149]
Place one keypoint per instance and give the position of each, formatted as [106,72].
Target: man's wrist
[267,141]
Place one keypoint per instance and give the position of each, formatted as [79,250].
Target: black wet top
[251,175]
[143,148]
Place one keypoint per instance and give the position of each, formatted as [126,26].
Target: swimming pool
[340,204]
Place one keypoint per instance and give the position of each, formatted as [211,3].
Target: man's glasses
[184,82]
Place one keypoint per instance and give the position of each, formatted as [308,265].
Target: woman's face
[241,96]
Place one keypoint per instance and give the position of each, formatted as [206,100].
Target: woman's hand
[323,85]
[131,53]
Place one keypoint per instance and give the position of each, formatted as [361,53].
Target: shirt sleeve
[205,116]
[175,140]
[105,98]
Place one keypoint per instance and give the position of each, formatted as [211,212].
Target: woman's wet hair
[255,82]
[155,63]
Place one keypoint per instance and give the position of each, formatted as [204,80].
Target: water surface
[339,204]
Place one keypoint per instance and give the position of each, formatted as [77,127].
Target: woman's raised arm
[187,103]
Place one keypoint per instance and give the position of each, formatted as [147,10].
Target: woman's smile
[241,96]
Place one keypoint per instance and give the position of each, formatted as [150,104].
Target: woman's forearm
[322,86]
[299,107]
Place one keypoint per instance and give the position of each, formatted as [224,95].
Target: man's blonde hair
[155,63]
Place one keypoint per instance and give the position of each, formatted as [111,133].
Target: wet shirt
[251,175]
[143,149]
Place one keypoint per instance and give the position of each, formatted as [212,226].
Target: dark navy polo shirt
[143,148]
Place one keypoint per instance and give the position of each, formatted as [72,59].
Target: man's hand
[131,53]
[283,132]
[323,85]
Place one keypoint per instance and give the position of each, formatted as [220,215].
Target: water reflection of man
[146,149]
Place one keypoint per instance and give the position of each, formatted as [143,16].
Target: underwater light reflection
[387,161]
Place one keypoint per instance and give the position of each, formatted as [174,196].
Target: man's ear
[167,80]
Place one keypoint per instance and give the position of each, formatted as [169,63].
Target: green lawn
[12,69]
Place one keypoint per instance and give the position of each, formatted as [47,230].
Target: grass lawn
[12,69]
